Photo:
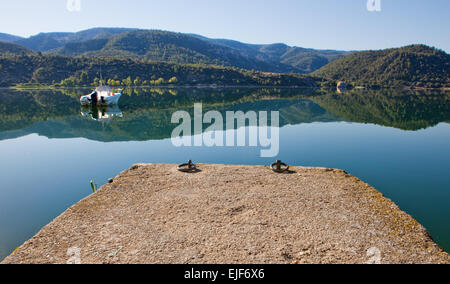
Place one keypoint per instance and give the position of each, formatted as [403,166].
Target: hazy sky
[324,24]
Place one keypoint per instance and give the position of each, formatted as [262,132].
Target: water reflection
[101,113]
[145,114]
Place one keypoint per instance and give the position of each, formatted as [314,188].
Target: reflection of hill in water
[389,108]
[147,114]
[150,124]
[21,109]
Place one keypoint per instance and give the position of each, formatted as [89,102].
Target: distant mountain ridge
[181,48]
[69,55]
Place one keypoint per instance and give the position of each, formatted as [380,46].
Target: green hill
[411,66]
[162,46]
[45,42]
[181,48]
[79,71]
[414,66]
[11,48]
[295,59]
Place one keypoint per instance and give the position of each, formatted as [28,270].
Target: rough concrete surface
[232,214]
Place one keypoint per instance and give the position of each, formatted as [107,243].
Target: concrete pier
[232,214]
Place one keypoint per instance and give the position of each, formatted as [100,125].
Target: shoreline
[162,87]
[152,213]
[213,86]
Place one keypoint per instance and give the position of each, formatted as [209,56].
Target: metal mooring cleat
[279,167]
[189,167]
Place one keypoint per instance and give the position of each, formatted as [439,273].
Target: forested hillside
[180,48]
[415,65]
[145,57]
[44,42]
[11,48]
[77,71]
[186,48]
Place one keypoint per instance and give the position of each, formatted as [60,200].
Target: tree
[128,81]
[39,75]
[173,80]
[69,82]
[160,81]
[83,78]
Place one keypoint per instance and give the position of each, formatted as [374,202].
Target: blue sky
[323,24]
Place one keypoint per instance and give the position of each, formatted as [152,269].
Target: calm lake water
[50,147]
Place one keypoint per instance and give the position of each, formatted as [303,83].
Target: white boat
[102,95]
